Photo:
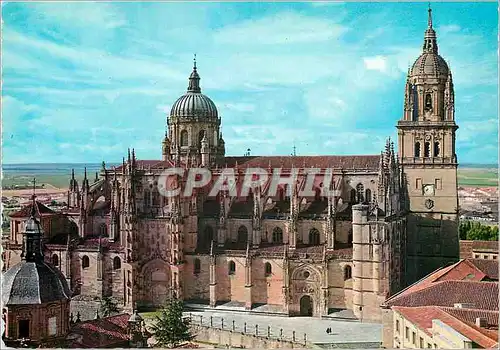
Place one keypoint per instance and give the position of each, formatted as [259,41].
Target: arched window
[55,260]
[281,194]
[277,235]
[437,149]
[360,189]
[103,230]
[184,138]
[368,195]
[231,268]
[347,273]
[242,234]
[205,240]
[314,237]
[353,196]
[117,263]
[85,262]
[427,149]
[268,269]
[428,102]
[197,266]
[417,149]
[317,193]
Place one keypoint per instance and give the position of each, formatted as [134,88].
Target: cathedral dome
[430,63]
[194,103]
[33,281]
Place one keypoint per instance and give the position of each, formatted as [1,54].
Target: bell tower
[426,150]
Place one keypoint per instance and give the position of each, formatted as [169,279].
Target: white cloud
[376,63]
[238,107]
[81,14]
[285,28]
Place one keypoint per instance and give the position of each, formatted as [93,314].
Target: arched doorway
[306,306]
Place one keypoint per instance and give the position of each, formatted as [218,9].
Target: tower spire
[429,18]
[194,79]
[430,39]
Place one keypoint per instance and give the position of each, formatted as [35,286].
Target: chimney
[463,306]
[481,322]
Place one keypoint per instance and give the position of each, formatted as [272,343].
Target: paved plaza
[315,328]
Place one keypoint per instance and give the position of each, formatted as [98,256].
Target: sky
[84,81]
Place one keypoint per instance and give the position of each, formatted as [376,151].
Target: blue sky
[82,82]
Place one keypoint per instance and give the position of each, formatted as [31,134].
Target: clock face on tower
[428,190]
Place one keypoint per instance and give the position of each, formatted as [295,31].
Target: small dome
[33,283]
[194,104]
[430,63]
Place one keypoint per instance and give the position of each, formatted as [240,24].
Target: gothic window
[437,149]
[24,329]
[417,149]
[117,263]
[197,266]
[428,102]
[368,195]
[281,194]
[353,196]
[103,230]
[427,149]
[317,195]
[360,189]
[277,235]
[55,260]
[184,138]
[232,268]
[314,237]
[268,269]
[85,262]
[349,237]
[242,234]
[206,239]
[347,273]
[73,228]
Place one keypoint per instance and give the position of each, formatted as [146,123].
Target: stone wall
[239,339]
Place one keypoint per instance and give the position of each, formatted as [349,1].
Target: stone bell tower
[194,128]
[426,147]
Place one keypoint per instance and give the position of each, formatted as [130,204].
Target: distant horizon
[113,163]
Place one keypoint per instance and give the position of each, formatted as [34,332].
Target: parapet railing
[249,328]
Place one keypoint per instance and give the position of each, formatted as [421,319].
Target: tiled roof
[100,333]
[464,270]
[92,242]
[483,295]
[470,315]
[345,162]
[150,164]
[488,267]
[422,317]
[25,212]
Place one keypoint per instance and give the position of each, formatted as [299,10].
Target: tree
[170,329]
[108,306]
[475,231]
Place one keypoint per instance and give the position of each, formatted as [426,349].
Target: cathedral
[388,220]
